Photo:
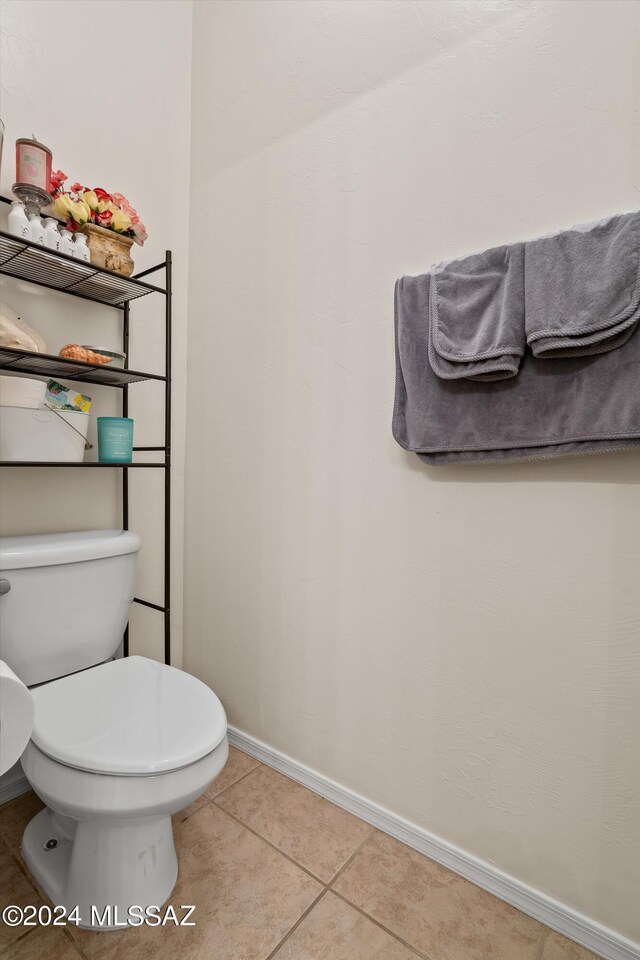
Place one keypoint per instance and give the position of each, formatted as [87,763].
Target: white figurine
[17,221]
[51,233]
[36,229]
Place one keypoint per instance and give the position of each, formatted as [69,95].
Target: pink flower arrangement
[80,205]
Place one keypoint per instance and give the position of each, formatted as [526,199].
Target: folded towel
[572,405]
[476,311]
[582,288]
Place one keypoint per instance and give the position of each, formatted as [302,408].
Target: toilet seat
[131,717]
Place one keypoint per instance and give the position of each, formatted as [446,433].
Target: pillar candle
[33,163]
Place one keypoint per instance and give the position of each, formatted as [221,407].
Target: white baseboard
[13,788]
[590,934]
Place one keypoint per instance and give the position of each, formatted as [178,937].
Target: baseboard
[588,933]
[9,791]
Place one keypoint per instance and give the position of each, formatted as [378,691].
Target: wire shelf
[89,463]
[57,271]
[44,364]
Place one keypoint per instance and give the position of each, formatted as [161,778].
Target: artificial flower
[58,177]
[80,205]
[62,206]
[103,217]
[139,232]
[81,212]
[126,207]
[90,197]
[65,208]
[120,222]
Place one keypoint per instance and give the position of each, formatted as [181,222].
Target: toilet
[117,745]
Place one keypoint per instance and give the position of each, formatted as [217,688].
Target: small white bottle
[36,229]
[17,221]
[51,233]
[66,242]
[82,250]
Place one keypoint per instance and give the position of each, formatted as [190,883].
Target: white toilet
[117,746]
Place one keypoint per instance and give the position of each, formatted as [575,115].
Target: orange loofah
[73,351]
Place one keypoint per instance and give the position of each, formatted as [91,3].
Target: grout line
[327,887]
[330,889]
[177,823]
[368,916]
[349,860]
[302,917]
[76,945]
[239,780]
[269,844]
[23,936]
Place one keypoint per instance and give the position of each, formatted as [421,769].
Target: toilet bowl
[115,750]
[117,746]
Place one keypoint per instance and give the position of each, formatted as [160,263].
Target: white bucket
[21,392]
[31,431]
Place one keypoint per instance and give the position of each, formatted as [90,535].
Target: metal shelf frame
[43,267]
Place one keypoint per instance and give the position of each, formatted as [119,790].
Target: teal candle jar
[115,439]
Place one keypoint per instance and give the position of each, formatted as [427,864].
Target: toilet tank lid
[48,549]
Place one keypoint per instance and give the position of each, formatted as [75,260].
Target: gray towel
[476,315]
[570,405]
[582,288]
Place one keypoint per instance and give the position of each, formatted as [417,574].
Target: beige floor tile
[237,766]
[432,908]
[559,948]
[313,832]
[16,890]
[247,897]
[14,817]
[335,931]
[49,942]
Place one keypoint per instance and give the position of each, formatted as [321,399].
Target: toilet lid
[127,717]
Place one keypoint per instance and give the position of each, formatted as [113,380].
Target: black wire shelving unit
[39,265]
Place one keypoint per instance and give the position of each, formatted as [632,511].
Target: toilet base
[103,869]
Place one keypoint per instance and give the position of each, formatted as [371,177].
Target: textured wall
[459,644]
[85,79]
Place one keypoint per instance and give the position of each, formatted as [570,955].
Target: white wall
[107,85]
[458,644]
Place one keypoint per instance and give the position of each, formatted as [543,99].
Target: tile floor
[278,873]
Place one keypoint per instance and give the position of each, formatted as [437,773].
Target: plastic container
[30,431]
[117,358]
[115,439]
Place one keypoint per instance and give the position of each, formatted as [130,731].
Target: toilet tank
[64,600]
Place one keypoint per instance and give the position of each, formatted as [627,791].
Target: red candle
[33,163]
